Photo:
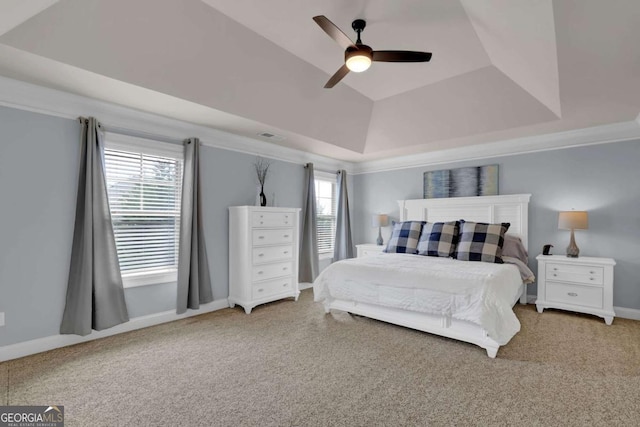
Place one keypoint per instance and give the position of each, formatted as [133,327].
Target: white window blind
[144,187]
[325,187]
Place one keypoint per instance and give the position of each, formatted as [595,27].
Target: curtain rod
[135,133]
[323,171]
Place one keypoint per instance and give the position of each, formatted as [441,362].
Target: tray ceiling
[501,69]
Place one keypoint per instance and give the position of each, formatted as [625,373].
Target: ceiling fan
[358,56]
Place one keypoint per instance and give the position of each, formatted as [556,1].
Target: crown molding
[604,134]
[116,118]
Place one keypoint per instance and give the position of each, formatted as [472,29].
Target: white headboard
[513,209]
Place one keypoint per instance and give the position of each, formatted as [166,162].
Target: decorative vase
[263,198]
[258,199]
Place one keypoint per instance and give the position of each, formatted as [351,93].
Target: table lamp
[379,220]
[573,220]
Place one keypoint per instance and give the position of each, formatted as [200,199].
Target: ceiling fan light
[358,62]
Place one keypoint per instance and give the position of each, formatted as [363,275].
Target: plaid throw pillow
[481,242]
[404,237]
[439,239]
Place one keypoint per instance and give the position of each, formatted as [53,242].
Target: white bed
[472,304]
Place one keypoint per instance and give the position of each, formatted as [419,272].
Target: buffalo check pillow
[404,237]
[439,239]
[480,241]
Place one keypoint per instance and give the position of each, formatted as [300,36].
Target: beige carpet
[290,364]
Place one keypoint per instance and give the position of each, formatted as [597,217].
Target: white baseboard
[622,312]
[627,313]
[303,285]
[39,345]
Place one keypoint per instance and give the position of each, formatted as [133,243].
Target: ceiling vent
[271,136]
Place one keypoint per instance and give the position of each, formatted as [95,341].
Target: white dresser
[369,249]
[583,284]
[263,255]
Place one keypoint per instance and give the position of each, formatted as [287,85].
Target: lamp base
[379,240]
[572,249]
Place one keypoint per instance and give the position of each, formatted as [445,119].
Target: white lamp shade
[573,220]
[379,220]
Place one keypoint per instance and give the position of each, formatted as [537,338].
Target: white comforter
[478,292]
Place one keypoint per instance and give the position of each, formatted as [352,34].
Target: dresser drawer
[587,296]
[271,271]
[271,287]
[272,237]
[584,274]
[271,219]
[266,254]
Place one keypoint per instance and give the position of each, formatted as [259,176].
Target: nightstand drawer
[270,271]
[369,249]
[586,296]
[271,219]
[584,274]
[272,287]
[370,252]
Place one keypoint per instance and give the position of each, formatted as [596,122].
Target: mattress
[478,292]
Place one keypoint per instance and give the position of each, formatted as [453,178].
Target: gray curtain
[309,239]
[95,296]
[343,247]
[194,282]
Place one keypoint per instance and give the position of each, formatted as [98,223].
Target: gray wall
[601,179]
[39,158]
[38,174]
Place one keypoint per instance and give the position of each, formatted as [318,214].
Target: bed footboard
[442,325]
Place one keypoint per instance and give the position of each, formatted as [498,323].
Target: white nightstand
[368,249]
[582,284]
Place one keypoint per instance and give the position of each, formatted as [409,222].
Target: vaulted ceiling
[501,69]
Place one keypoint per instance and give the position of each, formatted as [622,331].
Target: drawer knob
[554,274]
[592,272]
[286,252]
[284,268]
[591,278]
[260,254]
[260,272]
[286,222]
[260,237]
[284,285]
[286,235]
[572,294]
[555,269]
[261,222]
[260,290]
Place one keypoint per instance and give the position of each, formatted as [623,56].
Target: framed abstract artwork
[461,182]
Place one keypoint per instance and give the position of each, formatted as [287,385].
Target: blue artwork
[461,182]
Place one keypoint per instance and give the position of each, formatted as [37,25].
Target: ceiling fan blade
[400,56]
[339,75]
[333,31]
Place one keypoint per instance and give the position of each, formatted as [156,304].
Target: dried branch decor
[262,169]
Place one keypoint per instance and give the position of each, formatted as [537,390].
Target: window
[144,184]
[325,186]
